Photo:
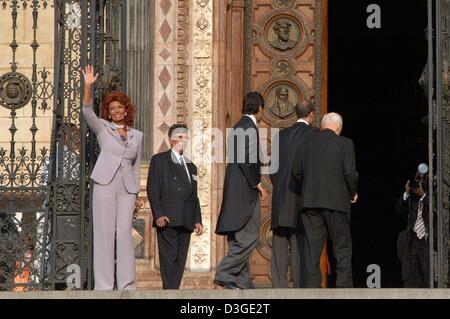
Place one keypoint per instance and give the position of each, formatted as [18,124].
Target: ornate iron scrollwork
[439,152]
[45,218]
[111,79]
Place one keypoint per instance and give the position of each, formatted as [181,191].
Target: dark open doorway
[373,82]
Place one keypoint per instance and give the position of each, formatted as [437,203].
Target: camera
[419,179]
[416,183]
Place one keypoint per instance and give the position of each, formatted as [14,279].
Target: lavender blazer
[115,153]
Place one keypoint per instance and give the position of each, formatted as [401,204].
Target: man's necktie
[184,167]
[419,226]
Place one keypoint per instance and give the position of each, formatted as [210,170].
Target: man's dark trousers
[418,263]
[234,266]
[318,223]
[173,246]
[288,248]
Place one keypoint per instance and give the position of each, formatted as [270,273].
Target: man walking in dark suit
[172,191]
[239,216]
[326,169]
[288,234]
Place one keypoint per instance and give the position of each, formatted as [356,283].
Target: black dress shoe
[226,284]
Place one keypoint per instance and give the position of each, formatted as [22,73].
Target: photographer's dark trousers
[402,253]
[317,222]
[418,263]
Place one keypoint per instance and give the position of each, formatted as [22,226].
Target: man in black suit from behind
[172,191]
[288,235]
[326,169]
[239,217]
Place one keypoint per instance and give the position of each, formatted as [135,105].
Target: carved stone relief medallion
[15,90]
[284,34]
[281,93]
[282,66]
[281,100]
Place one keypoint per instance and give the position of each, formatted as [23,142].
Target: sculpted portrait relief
[284,34]
[281,100]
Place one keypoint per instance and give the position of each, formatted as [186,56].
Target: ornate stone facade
[164,76]
[200,67]
[198,76]
[201,124]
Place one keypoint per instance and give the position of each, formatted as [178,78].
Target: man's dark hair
[303,108]
[252,102]
[176,126]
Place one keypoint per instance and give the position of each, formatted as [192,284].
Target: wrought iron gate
[45,224]
[439,109]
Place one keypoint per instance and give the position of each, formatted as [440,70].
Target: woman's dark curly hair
[122,98]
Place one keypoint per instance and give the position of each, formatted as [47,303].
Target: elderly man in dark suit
[239,216]
[172,191]
[288,235]
[326,169]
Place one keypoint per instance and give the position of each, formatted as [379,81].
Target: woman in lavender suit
[116,185]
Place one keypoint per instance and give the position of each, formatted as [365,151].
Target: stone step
[238,294]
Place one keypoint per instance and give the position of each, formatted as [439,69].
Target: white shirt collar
[178,156]
[421,198]
[302,121]
[253,118]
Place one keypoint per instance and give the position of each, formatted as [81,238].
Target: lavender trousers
[113,216]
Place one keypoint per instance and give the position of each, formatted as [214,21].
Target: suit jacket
[286,189]
[242,176]
[409,208]
[115,153]
[326,169]
[171,193]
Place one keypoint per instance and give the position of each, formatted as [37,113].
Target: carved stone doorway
[283,45]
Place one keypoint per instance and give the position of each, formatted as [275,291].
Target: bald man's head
[332,121]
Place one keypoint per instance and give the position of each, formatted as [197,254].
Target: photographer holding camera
[414,204]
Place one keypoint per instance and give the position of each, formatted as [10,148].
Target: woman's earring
[109,116]
[126,114]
